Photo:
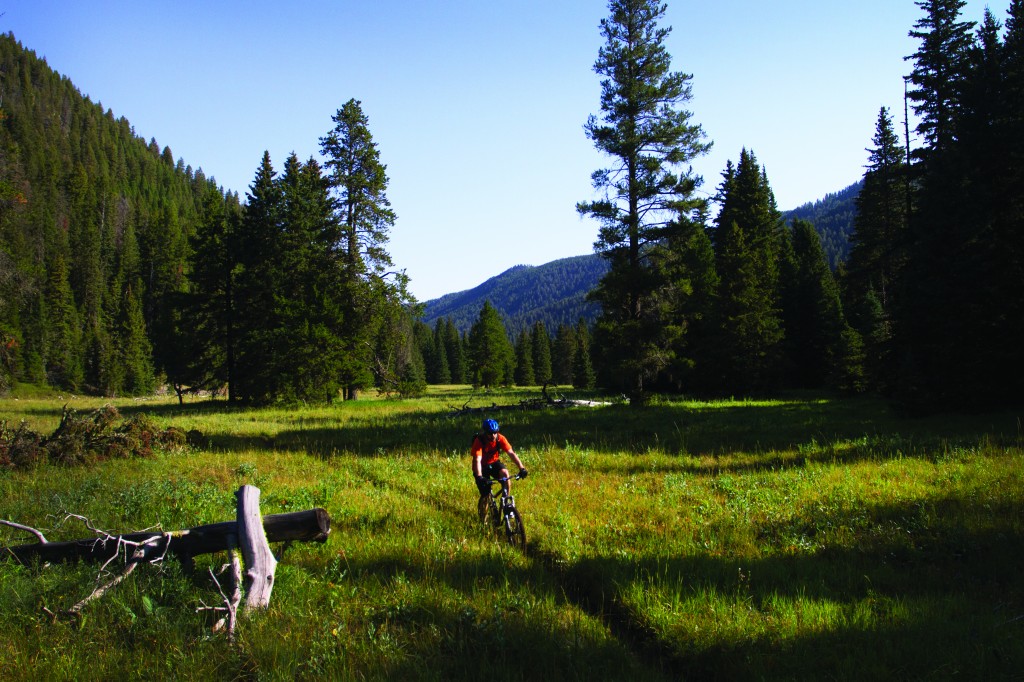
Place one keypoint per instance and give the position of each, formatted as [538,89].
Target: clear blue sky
[478,106]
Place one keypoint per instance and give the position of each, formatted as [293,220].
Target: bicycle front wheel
[514,531]
[487,511]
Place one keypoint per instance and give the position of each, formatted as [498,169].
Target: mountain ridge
[555,292]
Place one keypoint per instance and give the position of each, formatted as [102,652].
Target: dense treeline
[94,228]
[928,308]
[120,266]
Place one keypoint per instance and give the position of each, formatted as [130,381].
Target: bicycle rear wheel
[514,531]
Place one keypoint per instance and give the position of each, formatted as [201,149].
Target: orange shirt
[488,449]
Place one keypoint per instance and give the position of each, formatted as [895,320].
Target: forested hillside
[833,218]
[553,293]
[94,228]
[121,267]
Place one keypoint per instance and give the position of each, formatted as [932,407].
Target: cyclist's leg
[503,473]
[482,507]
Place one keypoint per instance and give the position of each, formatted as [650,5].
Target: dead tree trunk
[312,525]
[260,563]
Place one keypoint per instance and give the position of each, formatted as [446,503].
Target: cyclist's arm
[515,458]
[478,468]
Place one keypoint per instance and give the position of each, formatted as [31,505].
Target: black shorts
[494,470]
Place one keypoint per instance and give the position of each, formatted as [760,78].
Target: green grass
[799,538]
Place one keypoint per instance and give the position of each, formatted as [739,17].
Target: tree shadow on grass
[938,597]
[941,599]
[735,438]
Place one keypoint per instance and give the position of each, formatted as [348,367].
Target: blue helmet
[490,425]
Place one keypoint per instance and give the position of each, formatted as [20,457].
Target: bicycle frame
[499,509]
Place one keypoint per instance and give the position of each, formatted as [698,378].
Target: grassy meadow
[798,538]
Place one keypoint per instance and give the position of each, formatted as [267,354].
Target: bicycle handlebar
[505,479]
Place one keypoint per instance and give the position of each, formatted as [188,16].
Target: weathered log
[312,525]
[260,563]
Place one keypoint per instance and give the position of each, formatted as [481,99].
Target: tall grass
[799,538]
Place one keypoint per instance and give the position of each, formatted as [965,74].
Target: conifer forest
[124,269]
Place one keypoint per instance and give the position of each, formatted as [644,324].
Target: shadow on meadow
[923,590]
[705,436]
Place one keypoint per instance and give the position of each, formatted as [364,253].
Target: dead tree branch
[27,529]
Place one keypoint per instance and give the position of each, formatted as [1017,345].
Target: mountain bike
[497,510]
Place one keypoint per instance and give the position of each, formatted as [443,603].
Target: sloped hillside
[553,293]
[833,219]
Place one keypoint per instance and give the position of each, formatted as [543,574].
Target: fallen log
[542,403]
[312,525]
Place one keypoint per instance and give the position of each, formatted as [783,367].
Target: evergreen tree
[260,330]
[490,352]
[582,368]
[64,360]
[524,373]
[648,136]
[878,255]
[427,351]
[308,298]
[749,240]
[359,181]
[135,351]
[443,372]
[693,262]
[814,321]
[563,355]
[206,317]
[454,350]
[940,69]
[960,307]
[541,343]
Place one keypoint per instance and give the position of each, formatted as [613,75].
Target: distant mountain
[833,219]
[553,293]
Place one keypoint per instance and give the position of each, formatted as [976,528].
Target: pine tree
[953,323]
[259,326]
[749,241]
[940,69]
[444,373]
[583,376]
[563,355]
[878,255]
[814,321]
[524,373]
[360,181]
[648,136]
[134,348]
[455,352]
[311,311]
[490,352]
[541,343]
[206,316]
[64,359]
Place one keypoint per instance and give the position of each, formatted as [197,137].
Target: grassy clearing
[798,538]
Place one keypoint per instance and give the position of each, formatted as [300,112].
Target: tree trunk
[312,525]
[260,563]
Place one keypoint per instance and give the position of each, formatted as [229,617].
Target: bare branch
[27,529]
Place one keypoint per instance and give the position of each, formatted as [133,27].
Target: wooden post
[260,563]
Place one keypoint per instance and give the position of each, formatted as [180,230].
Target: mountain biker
[485,450]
